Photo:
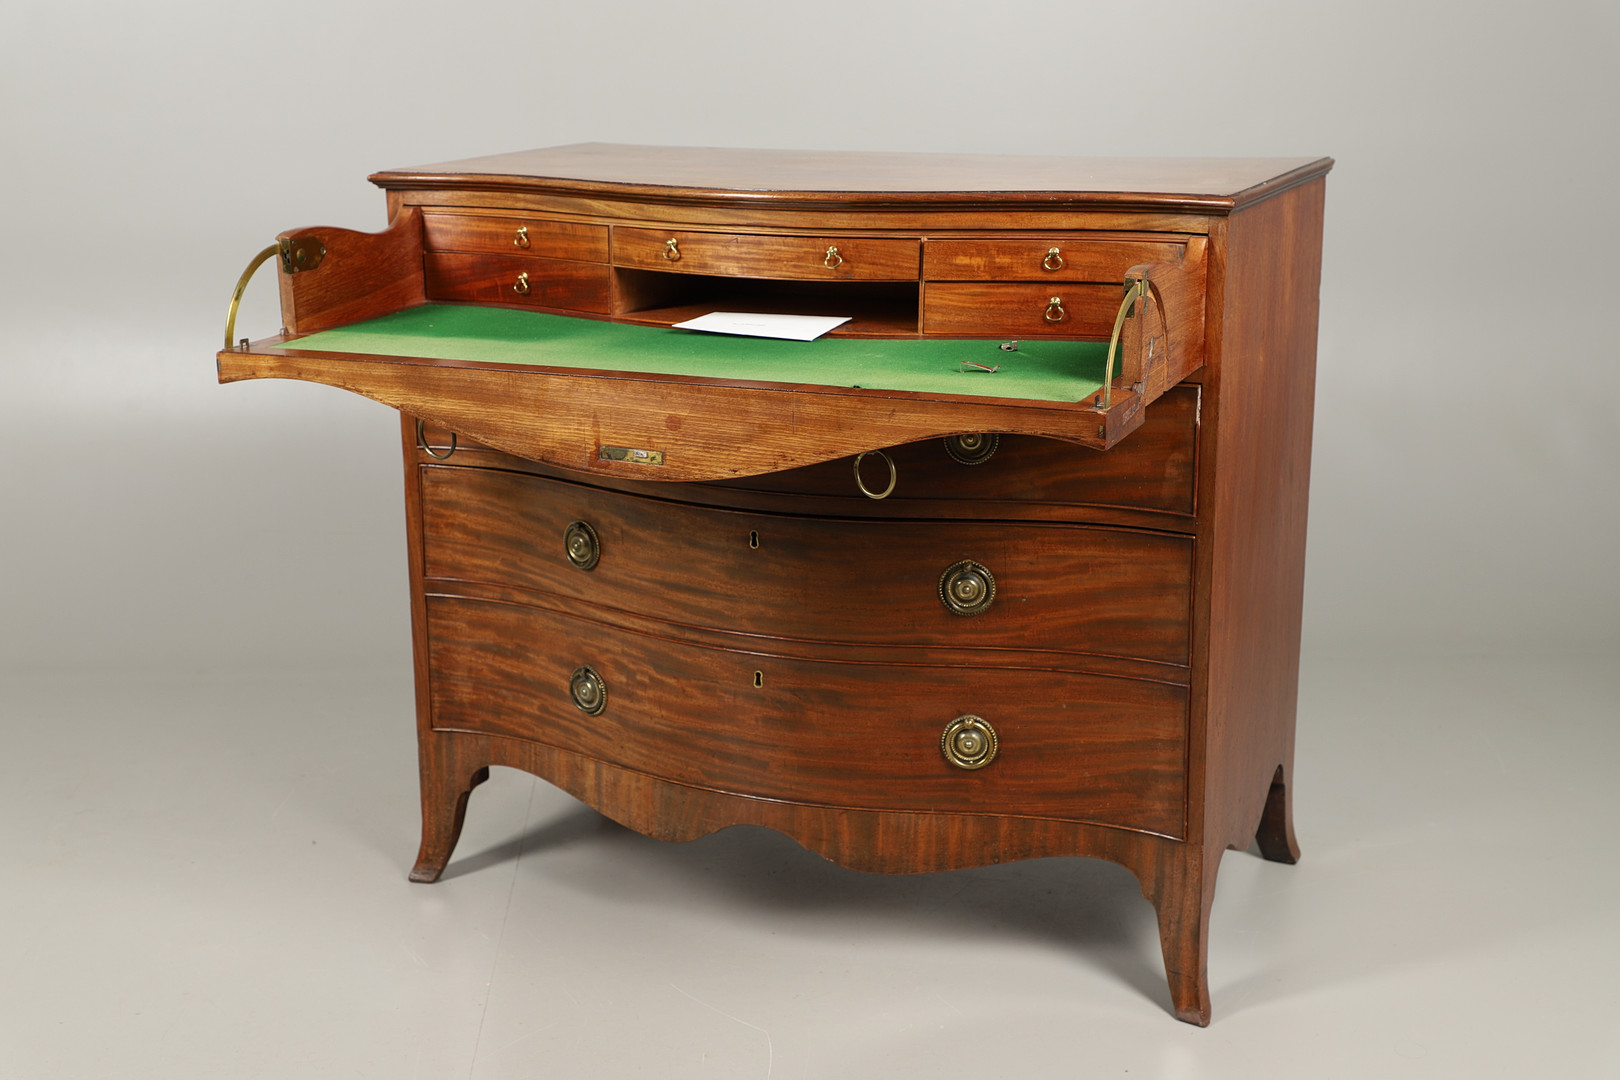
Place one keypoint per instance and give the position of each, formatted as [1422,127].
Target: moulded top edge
[787,177]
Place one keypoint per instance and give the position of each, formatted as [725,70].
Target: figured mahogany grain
[755,255]
[551,284]
[515,235]
[1019,310]
[362,276]
[1110,592]
[1072,746]
[1031,259]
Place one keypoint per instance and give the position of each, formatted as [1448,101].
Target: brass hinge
[301,253]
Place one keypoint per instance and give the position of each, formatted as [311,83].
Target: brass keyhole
[759,678]
[753,538]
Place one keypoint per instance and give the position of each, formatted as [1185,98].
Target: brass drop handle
[1054,310]
[521,237]
[894,475]
[969,742]
[832,260]
[421,440]
[588,690]
[521,285]
[1053,260]
[672,249]
[967,588]
[583,547]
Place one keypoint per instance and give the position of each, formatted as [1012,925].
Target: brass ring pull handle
[588,690]
[582,545]
[1054,310]
[521,285]
[520,238]
[974,448]
[969,742]
[672,250]
[241,287]
[421,440]
[1053,260]
[967,588]
[832,260]
[1133,290]
[894,475]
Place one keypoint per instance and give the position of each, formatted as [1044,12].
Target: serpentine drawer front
[1071,746]
[1007,565]
[1111,592]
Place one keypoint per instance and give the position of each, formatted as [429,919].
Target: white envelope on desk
[748,324]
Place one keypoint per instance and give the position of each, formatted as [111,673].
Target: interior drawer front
[477,233]
[1035,259]
[749,255]
[980,309]
[1078,747]
[1154,469]
[517,279]
[1065,588]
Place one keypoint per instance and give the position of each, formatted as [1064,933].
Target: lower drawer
[865,735]
[518,279]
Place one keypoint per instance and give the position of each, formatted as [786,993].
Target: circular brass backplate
[969,742]
[967,588]
[582,545]
[974,448]
[588,690]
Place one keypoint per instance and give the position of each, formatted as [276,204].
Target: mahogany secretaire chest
[1007,565]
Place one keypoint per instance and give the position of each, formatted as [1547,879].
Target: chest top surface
[1195,184]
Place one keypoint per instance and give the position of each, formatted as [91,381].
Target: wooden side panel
[1260,404]
[1063,588]
[1071,746]
[362,276]
[1164,342]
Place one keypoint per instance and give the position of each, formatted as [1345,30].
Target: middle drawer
[1061,588]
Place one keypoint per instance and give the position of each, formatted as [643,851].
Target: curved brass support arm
[1137,289]
[241,287]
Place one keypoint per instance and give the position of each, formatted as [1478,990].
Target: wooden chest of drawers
[915,613]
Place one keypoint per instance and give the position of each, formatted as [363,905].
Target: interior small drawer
[756,255]
[996,309]
[516,279]
[869,735]
[1074,589]
[549,239]
[1035,259]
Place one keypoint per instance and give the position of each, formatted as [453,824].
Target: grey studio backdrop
[1464,493]
[156,528]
